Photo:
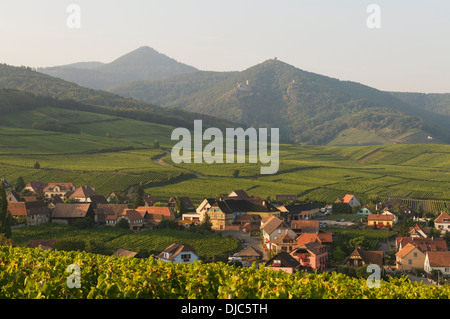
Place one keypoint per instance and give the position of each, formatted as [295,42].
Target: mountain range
[144,63]
[308,108]
[22,89]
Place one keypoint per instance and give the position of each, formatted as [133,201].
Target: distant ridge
[144,63]
[22,88]
[308,108]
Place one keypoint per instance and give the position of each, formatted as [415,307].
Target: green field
[206,245]
[113,153]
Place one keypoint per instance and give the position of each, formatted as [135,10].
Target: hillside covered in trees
[308,108]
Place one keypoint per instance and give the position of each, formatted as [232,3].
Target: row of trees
[5,216]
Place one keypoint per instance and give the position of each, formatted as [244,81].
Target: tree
[37,165]
[236,173]
[70,245]
[434,232]
[156,144]
[206,223]
[447,237]
[5,216]
[5,241]
[123,223]
[179,207]
[139,198]
[167,223]
[84,223]
[420,210]
[95,247]
[159,204]
[338,254]
[342,208]
[359,242]
[356,209]
[20,184]
[404,228]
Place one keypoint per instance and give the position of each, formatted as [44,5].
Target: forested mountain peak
[144,63]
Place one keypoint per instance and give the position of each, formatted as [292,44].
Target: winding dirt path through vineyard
[160,160]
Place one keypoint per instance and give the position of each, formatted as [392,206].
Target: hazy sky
[409,52]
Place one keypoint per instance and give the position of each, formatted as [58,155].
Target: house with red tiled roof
[134,218]
[438,260]
[17,209]
[283,261]
[126,253]
[299,211]
[349,199]
[442,222]
[380,220]
[49,189]
[102,211]
[247,218]
[33,212]
[35,187]
[68,214]
[148,200]
[425,244]
[178,254]
[60,189]
[13,196]
[274,228]
[83,194]
[409,258]
[248,255]
[223,211]
[312,255]
[361,257]
[321,237]
[156,213]
[284,242]
[118,197]
[239,193]
[305,226]
[419,231]
[185,201]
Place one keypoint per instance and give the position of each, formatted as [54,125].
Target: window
[415,254]
[409,262]
[186,256]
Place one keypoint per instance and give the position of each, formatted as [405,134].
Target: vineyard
[115,153]
[373,236]
[35,273]
[208,246]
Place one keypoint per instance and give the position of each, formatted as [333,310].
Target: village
[282,234]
